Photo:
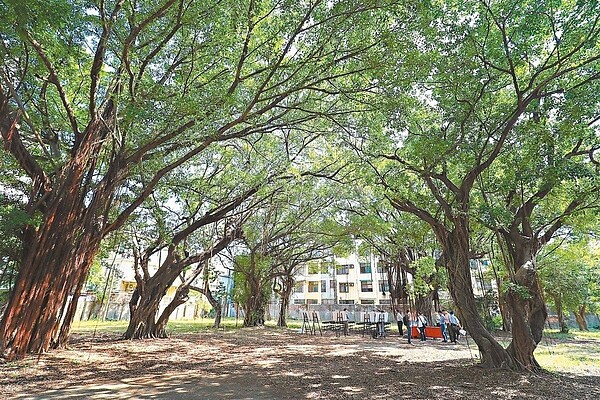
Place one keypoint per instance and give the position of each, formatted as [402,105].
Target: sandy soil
[265,363]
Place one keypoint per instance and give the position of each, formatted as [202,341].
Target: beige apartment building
[361,280]
[348,280]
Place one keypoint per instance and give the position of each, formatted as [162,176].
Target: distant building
[362,280]
[120,284]
[348,280]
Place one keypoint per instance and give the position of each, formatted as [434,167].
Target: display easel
[310,325]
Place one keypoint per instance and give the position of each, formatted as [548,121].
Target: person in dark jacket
[407,319]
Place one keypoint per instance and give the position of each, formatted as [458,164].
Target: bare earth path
[267,363]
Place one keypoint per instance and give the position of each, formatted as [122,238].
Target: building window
[332,284]
[344,288]
[327,301]
[314,268]
[344,269]
[327,267]
[312,301]
[380,268]
[298,301]
[366,286]
[299,287]
[346,301]
[385,301]
[384,286]
[313,287]
[323,286]
[365,301]
[365,268]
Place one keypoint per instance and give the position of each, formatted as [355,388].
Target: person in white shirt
[345,319]
[400,322]
[421,324]
[454,327]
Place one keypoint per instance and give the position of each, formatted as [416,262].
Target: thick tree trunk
[59,253]
[44,299]
[397,280]
[144,306]
[254,312]
[286,292]
[145,303]
[457,257]
[525,301]
[424,304]
[254,308]
[526,318]
[580,318]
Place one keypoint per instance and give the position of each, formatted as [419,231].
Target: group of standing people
[448,322]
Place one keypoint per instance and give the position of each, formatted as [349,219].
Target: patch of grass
[554,334]
[569,352]
[176,326]
[99,326]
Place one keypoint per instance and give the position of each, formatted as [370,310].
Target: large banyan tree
[93,92]
[492,77]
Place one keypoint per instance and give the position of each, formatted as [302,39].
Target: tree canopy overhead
[465,114]
[93,93]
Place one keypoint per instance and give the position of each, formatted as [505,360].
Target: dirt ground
[265,363]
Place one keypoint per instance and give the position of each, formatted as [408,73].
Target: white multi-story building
[362,280]
[344,280]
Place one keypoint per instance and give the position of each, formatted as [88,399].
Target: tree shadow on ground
[265,364]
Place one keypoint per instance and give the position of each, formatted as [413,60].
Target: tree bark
[59,253]
[254,308]
[580,318]
[145,302]
[524,297]
[143,309]
[424,304]
[181,297]
[286,291]
[562,323]
[457,256]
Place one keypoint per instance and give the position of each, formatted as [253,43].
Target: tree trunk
[181,297]
[216,304]
[286,291]
[44,299]
[562,323]
[254,307]
[59,253]
[526,318]
[580,318]
[144,306]
[457,256]
[254,311]
[423,304]
[218,315]
[524,299]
